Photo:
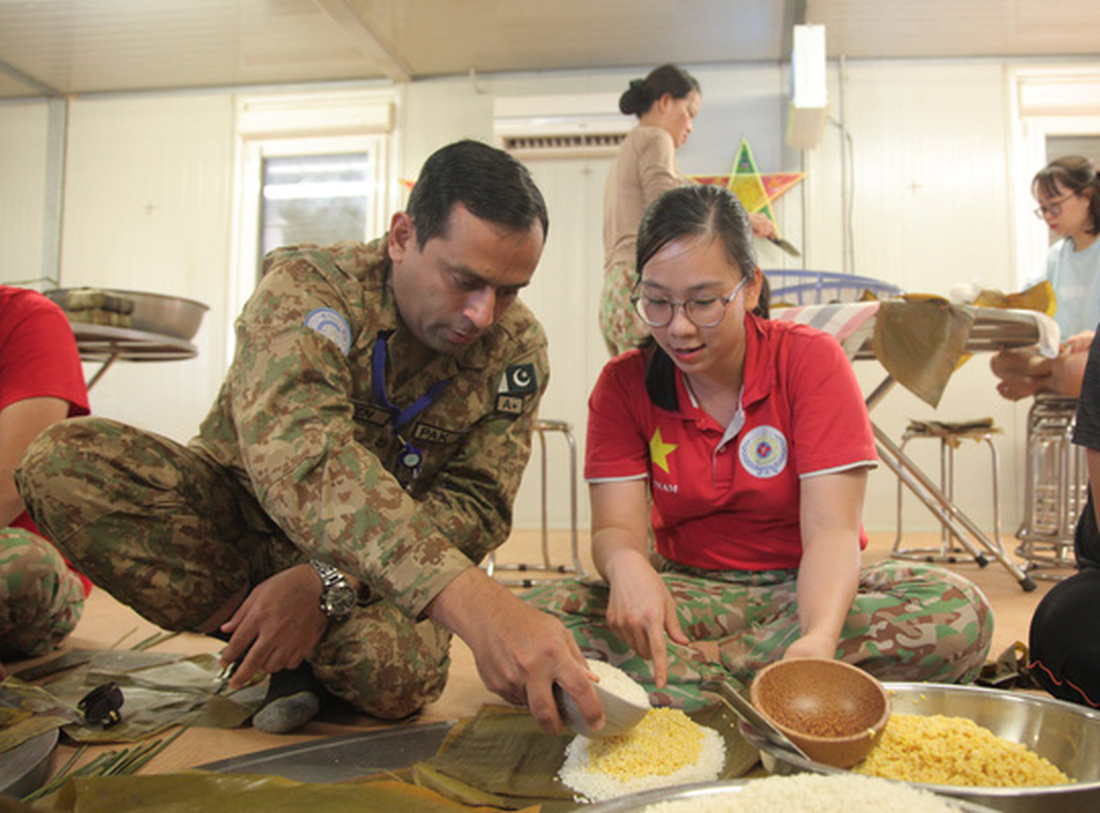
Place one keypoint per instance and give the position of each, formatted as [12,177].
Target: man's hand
[520,652]
[277,625]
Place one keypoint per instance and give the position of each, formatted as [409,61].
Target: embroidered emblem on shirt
[433,434]
[659,450]
[509,405]
[332,325]
[369,413]
[519,379]
[763,452]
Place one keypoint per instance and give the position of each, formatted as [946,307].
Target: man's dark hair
[489,182]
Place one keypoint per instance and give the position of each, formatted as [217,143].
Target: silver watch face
[338,599]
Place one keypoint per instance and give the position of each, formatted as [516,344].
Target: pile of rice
[666,748]
[941,750]
[813,793]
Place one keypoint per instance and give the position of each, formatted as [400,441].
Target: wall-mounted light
[809,105]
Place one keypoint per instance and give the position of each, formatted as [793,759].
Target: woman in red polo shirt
[752,443]
[41,382]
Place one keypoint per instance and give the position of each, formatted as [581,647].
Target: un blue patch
[332,325]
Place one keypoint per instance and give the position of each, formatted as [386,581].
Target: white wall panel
[23,140]
[147,207]
[931,208]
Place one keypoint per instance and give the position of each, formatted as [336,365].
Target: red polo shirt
[733,503]
[38,358]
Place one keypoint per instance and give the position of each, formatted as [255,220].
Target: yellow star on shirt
[659,450]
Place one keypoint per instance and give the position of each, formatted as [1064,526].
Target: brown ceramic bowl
[833,711]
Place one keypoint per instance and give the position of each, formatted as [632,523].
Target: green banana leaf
[231,793]
[502,754]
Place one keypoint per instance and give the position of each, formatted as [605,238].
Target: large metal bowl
[726,792]
[154,313]
[1066,734]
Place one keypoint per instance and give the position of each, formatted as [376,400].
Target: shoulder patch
[332,325]
[520,379]
[509,404]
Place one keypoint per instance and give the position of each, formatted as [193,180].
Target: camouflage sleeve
[291,390]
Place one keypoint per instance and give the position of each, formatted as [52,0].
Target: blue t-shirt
[1075,277]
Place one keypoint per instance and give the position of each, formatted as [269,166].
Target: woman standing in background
[666,103]
[1068,193]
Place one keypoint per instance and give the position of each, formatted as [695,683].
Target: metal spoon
[747,712]
[619,716]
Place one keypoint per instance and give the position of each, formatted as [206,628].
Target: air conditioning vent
[571,126]
[577,144]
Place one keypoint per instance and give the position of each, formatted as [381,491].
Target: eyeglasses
[1054,208]
[702,312]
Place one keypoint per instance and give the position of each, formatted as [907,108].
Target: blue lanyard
[410,456]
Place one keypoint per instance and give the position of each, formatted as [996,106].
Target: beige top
[644,169]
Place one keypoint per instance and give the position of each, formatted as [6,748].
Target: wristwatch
[337,594]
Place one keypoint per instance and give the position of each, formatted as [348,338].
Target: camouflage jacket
[297,424]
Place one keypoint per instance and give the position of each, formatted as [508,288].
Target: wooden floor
[105,622]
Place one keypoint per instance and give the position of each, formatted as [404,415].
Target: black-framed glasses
[1054,208]
[704,311]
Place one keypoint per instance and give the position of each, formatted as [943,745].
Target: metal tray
[24,768]
[334,759]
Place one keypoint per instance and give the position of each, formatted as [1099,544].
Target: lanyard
[410,456]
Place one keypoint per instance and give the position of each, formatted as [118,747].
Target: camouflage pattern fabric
[296,461]
[40,598]
[622,328]
[910,622]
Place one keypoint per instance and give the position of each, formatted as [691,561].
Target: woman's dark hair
[696,210]
[489,182]
[1075,174]
[642,93]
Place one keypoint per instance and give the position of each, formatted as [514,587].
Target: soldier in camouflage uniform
[377,417]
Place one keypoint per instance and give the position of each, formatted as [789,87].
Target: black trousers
[1065,639]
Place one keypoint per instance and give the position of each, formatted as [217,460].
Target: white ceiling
[73,47]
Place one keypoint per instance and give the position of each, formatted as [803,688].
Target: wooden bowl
[833,711]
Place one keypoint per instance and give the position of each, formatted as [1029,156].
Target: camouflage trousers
[909,622]
[40,598]
[622,328]
[173,535]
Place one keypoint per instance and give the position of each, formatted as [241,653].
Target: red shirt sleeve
[39,359]
[38,354]
[616,445]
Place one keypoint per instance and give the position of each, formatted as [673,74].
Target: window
[311,168]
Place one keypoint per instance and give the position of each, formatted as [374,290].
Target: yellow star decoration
[756,190]
[659,450]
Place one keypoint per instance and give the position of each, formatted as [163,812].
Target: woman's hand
[811,646]
[761,225]
[641,611]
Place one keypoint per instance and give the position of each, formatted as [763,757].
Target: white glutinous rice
[813,793]
[619,683]
[666,748]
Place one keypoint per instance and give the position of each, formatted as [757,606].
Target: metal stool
[950,435]
[541,428]
[1055,488]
